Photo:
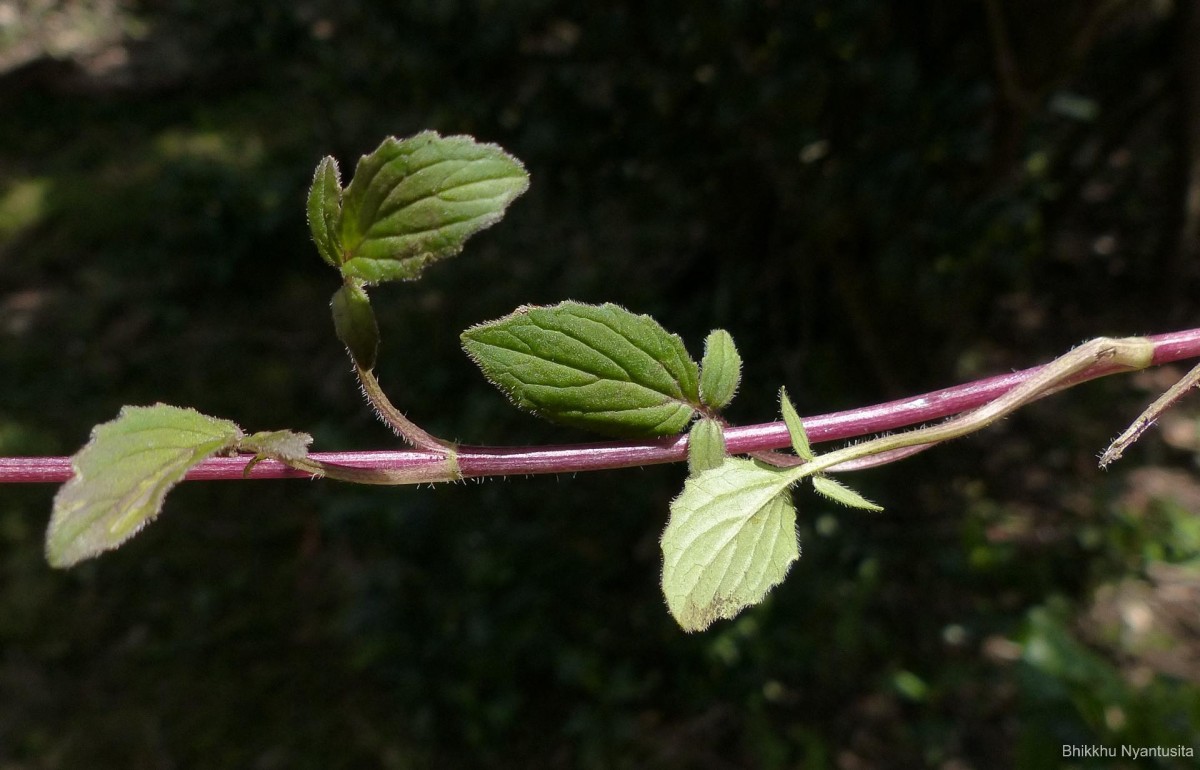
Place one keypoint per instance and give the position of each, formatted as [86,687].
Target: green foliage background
[874,198]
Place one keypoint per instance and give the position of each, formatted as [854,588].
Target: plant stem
[474,461]
[1130,353]
[395,419]
[1150,416]
[435,468]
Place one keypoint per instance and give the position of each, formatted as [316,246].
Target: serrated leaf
[720,370]
[840,493]
[795,427]
[730,539]
[325,210]
[706,445]
[417,200]
[598,367]
[123,473]
[354,322]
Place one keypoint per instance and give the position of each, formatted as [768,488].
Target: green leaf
[598,367]
[123,473]
[730,539]
[706,445]
[354,322]
[840,493]
[325,210]
[795,427]
[417,200]
[720,370]
[282,445]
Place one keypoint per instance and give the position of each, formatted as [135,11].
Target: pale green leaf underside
[598,367]
[840,493]
[731,537]
[123,473]
[720,370]
[417,200]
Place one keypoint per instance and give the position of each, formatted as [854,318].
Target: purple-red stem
[479,461]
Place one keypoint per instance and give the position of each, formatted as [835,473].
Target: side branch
[1129,354]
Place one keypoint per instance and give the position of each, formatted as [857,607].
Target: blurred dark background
[875,198]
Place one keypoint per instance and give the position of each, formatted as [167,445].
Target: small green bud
[354,321]
[720,371]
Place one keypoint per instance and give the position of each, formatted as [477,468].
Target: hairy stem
[438,467]
[1130,353]
[477,462]
[395,419]
[1150,416]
